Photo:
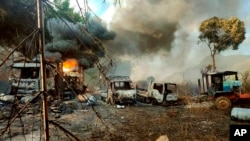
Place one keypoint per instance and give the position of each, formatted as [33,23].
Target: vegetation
[18,19]
[220,34]
[245,78]
[63,10]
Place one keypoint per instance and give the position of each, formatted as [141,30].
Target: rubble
[7,98]
[5,112]
[120,106]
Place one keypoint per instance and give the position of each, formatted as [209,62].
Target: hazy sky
[162,35]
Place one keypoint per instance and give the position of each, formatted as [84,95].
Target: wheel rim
[223,104]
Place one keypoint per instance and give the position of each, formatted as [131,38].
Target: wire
[94,39]
[19,45]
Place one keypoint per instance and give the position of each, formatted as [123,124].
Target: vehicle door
[158,91]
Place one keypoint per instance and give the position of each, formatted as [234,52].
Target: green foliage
[222,33]
[63,10]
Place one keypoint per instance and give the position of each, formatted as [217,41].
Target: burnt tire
[154,102]
[222,103]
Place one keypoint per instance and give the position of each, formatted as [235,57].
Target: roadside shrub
[245,78]
[188,88]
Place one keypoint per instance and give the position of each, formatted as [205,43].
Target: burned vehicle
[157,93]
[119,90]
[25,78]
[224,87]
[72,85]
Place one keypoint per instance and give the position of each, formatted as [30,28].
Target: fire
[70,65]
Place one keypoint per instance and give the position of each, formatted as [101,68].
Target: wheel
[134,102]
[154,102]
[222,103]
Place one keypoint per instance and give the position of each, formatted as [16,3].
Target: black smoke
[83,42]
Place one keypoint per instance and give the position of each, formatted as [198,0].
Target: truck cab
[25,78]
[119,90]
[157,92]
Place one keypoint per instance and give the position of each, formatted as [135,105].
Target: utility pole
[40,26]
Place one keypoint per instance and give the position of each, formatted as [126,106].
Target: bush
[245,78]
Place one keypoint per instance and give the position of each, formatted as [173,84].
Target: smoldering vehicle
[119,90]
[25,78]
[157,93]
[25,81]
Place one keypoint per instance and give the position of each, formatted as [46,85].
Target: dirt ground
[103,122]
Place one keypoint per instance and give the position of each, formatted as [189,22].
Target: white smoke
[160,38]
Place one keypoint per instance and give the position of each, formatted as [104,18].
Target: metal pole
[199,85]
[40,26]
[203,84]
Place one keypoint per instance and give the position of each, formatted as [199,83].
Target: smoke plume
[78,41]
[159,38]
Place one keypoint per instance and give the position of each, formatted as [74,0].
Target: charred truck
[224,87]
[61,84]
[157,93]
[25,78]
[119,90]
[70,80]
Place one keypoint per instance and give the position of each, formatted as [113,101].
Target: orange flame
[70,65]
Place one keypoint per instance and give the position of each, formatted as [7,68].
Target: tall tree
[62,9]
[221,34]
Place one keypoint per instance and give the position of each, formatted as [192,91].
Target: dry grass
[191,122]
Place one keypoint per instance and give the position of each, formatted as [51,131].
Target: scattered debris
[7,98]
[91,100]
[240,114]
[120,106]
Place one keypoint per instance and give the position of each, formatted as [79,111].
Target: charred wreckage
[62,82]
[65,81]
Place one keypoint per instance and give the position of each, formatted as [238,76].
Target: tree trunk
[213,59]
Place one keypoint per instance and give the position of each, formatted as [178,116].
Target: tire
[154,102]
[222,103]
